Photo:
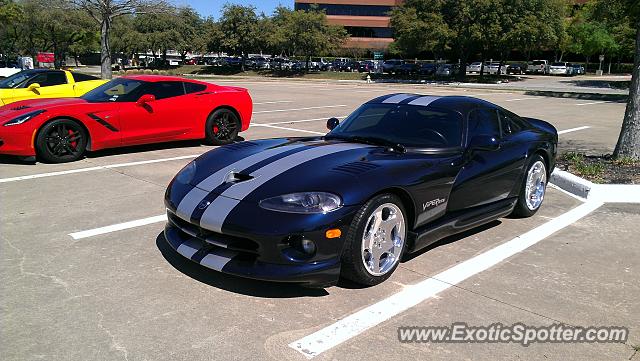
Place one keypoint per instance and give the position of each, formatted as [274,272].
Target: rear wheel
[533,189]
[375,242]
[62,140]
[222,127]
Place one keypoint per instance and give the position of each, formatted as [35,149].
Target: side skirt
[459,222]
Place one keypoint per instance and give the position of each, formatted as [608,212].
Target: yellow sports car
[45,83]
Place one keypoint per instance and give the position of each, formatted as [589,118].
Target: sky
[212,7]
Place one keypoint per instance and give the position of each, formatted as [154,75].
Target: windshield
[407,125]
[15,80]
[117,90]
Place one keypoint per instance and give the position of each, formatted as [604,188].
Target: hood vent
[238,146]
[21,107]
[356,168]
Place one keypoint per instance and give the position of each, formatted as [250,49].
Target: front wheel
[375,241]
[533,188]
[222,127]
[60,141]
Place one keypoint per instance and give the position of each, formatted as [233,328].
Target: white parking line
[118,227]
[519,99]
[298,109]
[290,129]
[357,323]
[573,130]
[90,169]
[592,103]
[274,102]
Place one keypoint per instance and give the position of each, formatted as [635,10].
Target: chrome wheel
[383,239]
[536,185]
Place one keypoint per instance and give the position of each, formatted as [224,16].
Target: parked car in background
[390,66]
[516,68]
[492,68]
[233,61]
[192,61]
[447,70]
[367,66]
[538,67]
[318,63]
[281,63]
[45,83]
[577,69]
[128,110]
[408,69]
[261,63]
[474,67]
[348,66]
[560,68]
[427,69]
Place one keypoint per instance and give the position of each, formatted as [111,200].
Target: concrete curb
[607,193]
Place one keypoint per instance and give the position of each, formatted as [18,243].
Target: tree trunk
[629,140]
[105,50]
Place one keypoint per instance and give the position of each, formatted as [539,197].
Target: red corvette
[126,111]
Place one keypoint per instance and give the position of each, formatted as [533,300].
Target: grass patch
[602,169]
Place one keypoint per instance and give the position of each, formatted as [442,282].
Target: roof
[459,103]
[156,78]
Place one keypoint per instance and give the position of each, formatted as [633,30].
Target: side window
[511,124]
[165,89]
[193,87]
[54,78]
[484,121]
[78,77]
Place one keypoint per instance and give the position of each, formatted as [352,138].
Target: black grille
[356,168]
[218,239]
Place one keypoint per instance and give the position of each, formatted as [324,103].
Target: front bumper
[17,141]
[258,244]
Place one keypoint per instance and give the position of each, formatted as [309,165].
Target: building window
[365,32]
[352,10]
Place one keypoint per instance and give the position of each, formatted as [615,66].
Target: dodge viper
[398,174]
[45,83]
[126,111]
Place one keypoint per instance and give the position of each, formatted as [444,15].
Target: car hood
[26,106]
[255,170]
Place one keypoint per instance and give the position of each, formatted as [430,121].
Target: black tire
[352,264]
[522,210]
[60,141]
[222,127]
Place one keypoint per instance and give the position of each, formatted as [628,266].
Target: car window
[117,90]
[165,89]
[51,78]
[193,87]
[484,121]
[79,77]
[409,125]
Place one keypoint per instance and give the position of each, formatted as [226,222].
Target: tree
[309,34]
[103,12]
[628,144]
[11,18]
[191,36]
[419,26]
[238,25]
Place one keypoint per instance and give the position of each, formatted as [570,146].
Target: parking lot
[87,275]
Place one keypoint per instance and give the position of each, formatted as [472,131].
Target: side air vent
[21,107]
[356,168]
[238,146]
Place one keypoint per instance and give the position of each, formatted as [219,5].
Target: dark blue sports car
[400,173]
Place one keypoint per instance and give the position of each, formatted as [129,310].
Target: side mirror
[147,98]
[332,123]
[33,86]
[484,143]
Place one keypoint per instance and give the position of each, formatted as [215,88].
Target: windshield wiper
[371,140]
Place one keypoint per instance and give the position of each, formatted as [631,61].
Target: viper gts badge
[433,203]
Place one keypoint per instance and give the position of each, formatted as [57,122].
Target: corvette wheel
[222,127]
[61,140]
[375,242]
[533,189]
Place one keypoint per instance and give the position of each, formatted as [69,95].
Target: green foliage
[239,26]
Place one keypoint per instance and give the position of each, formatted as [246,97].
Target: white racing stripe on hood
[190,201]
[398,98]
[214,216]
[424,101]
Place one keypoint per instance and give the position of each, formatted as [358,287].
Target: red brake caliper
[74,144]
[216,129]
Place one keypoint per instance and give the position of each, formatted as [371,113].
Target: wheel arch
[228,107]
[75,120]
[407,203]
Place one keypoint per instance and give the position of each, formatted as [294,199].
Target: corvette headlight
[23,118]
[185,176]
[307,202]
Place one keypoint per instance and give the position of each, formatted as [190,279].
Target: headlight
[23,118]
[308,202]
[185,176]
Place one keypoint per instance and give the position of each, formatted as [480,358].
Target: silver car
[560,69]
